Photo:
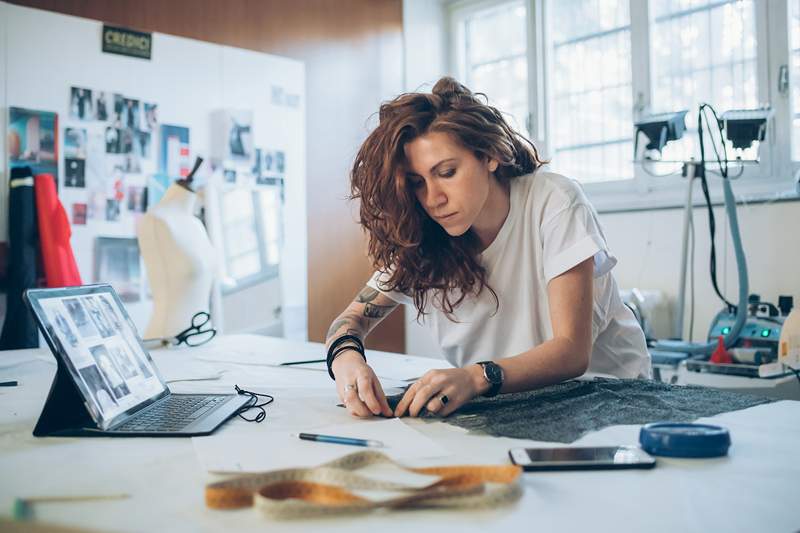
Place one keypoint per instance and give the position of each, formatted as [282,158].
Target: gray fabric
[564,412]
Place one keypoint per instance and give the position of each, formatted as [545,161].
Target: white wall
[648,245]
[188,80]
[426,47]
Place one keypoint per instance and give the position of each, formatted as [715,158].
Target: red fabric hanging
[60,269]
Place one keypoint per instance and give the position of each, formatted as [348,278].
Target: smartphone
[585,458]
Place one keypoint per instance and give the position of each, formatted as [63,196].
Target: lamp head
[661,128]
[744,126]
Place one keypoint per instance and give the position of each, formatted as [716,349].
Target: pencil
[289,363]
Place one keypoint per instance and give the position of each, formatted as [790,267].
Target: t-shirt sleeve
[377,282]
[570,237]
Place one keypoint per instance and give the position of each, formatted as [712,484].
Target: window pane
[242,254]
[703,51]
[270,206]
[496,61]
[794,40]
[591,104]
[496,33]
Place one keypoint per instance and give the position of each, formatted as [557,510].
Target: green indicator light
[726,330]
[765,332]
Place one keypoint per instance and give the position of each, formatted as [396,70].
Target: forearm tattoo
[377,311]
[369,307]
[366,295]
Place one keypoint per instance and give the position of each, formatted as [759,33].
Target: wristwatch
[493,373]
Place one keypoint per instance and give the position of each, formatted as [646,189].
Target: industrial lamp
[660,129]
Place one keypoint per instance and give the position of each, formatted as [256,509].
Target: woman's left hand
[439,391]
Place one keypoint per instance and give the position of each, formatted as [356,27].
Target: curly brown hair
[419,257]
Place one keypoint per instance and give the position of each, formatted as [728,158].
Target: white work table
[754,488]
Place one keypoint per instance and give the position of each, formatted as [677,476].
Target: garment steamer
[741,326]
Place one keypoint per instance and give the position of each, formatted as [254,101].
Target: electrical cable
[655,174]
[723,167]
[252,403]
[794,371]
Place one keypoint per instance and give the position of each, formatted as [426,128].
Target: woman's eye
[416,183]
[448,173]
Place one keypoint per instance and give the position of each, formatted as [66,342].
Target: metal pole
[687,221]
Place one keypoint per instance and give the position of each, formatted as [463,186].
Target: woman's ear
[493,164]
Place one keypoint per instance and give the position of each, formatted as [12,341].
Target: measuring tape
[329,488]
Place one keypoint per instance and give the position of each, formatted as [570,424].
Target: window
[599,65]
[703,51]
[251,227]
[590,107]
[492,57]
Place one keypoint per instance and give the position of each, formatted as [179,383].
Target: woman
[506,263]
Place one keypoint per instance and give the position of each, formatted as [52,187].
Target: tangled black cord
[252,403]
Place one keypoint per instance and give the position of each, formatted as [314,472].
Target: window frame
[771,180]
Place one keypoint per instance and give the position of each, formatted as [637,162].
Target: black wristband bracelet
[333,352]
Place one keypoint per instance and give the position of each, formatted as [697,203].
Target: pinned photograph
[32,140]
[116,261]
[280,162]
[80,317]
[119,109]
[110,371]
[150,116]
[240,135]
[79,212]
[137,199]
[142,144]
[258,162]
[112,209]
[174,155]
[102,105]
[98,387]
[75,143]
[113,141]
[130,114]
[269,162]
[126,141]
[81,105]
[74,172]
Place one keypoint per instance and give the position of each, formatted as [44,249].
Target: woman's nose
[435,196]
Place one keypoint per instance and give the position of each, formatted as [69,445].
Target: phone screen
[581,458]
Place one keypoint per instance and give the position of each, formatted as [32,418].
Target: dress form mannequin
[179,259]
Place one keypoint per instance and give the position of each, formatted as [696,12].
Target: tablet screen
[101,348]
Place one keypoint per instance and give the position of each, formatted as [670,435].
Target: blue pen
[341,440]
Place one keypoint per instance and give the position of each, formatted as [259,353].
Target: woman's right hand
[359,388]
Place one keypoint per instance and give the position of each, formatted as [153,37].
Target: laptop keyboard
[172,414]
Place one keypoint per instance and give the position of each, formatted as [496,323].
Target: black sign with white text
[127,42]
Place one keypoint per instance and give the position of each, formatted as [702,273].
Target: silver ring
[350,386]
[444,399]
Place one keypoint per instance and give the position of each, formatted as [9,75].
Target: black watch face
[493,373]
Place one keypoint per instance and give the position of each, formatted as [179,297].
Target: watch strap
[494,385]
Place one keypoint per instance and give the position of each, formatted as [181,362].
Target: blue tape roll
[684,440]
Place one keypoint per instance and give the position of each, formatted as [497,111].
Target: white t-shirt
[550,228]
